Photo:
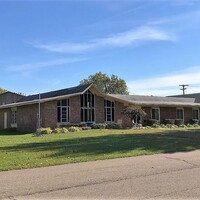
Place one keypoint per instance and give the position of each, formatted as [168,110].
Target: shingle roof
[155,100]
[194,95]
[57,93]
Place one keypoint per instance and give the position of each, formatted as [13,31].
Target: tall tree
[2,90]
[106,84]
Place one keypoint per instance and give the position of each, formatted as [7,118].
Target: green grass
[26,151]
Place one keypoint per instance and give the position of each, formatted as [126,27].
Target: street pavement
[163,176]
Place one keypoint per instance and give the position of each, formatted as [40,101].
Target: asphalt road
[164,176]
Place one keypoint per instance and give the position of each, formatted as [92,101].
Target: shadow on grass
[165,142]
[10,131]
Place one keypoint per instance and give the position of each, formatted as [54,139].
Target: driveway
[163,176]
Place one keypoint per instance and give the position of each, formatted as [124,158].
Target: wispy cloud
[167,84]
[118,40]
[25,68]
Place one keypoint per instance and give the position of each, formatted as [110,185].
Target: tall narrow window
[179,113]
[109,110]
[63,110]
[195,114]
[14,117]
[87,107]
[155,114]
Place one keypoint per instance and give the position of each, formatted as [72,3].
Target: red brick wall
[187,115]
[75,111]
[168,113]
[27,118]
[126,121]
[49,114]
[99,109]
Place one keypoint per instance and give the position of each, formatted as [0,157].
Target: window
[179,113]
[14,117]
[63,110]
[155,114]
[195,114]
[87,107]
[109,110]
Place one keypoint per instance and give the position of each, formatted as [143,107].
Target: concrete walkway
[164,176]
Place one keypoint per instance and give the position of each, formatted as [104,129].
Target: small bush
[169,121]
[183,126]
[114,126]
[194,121]
[57,130]
[171,126]
[64,130]
[73,125]
[163,126]
[44,131]
[151,122]
[99,126]
[86,128]
[195,125]
[190,125]
[179,122]
[60,130]
[148,127]
[155,126]
[139,125]
[73,129]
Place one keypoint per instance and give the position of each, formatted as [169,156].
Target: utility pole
[183,87]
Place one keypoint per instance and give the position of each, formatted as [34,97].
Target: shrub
[169,121]
[171,126]
[60,130]
[190,125]
[195,125]
[183,126]
[150,122]
[163,126]
[179,122]
[139,125]
[64,130]
[194,121]
[73,129]
[99,126]
[73,125]
[86,128]
[148,127]
[57,130]
[44,131]
[156,126]
[114,126]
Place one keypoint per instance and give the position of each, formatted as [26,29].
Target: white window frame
[197,109]
[183,113]
[158,113]
[88,107]
[13,117]
[67,107]
[110,107]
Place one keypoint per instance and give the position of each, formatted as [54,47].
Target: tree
[2,90]
[134,114]
[106,84]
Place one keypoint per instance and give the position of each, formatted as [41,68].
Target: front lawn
[26,151]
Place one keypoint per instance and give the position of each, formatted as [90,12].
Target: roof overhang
[90,87]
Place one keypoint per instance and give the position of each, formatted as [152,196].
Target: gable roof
[155,100]
[56,93]
[49,96]
[194,95]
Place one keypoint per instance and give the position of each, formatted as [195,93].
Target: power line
[183,88]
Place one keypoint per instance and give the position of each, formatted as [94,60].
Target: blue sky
[152,44]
